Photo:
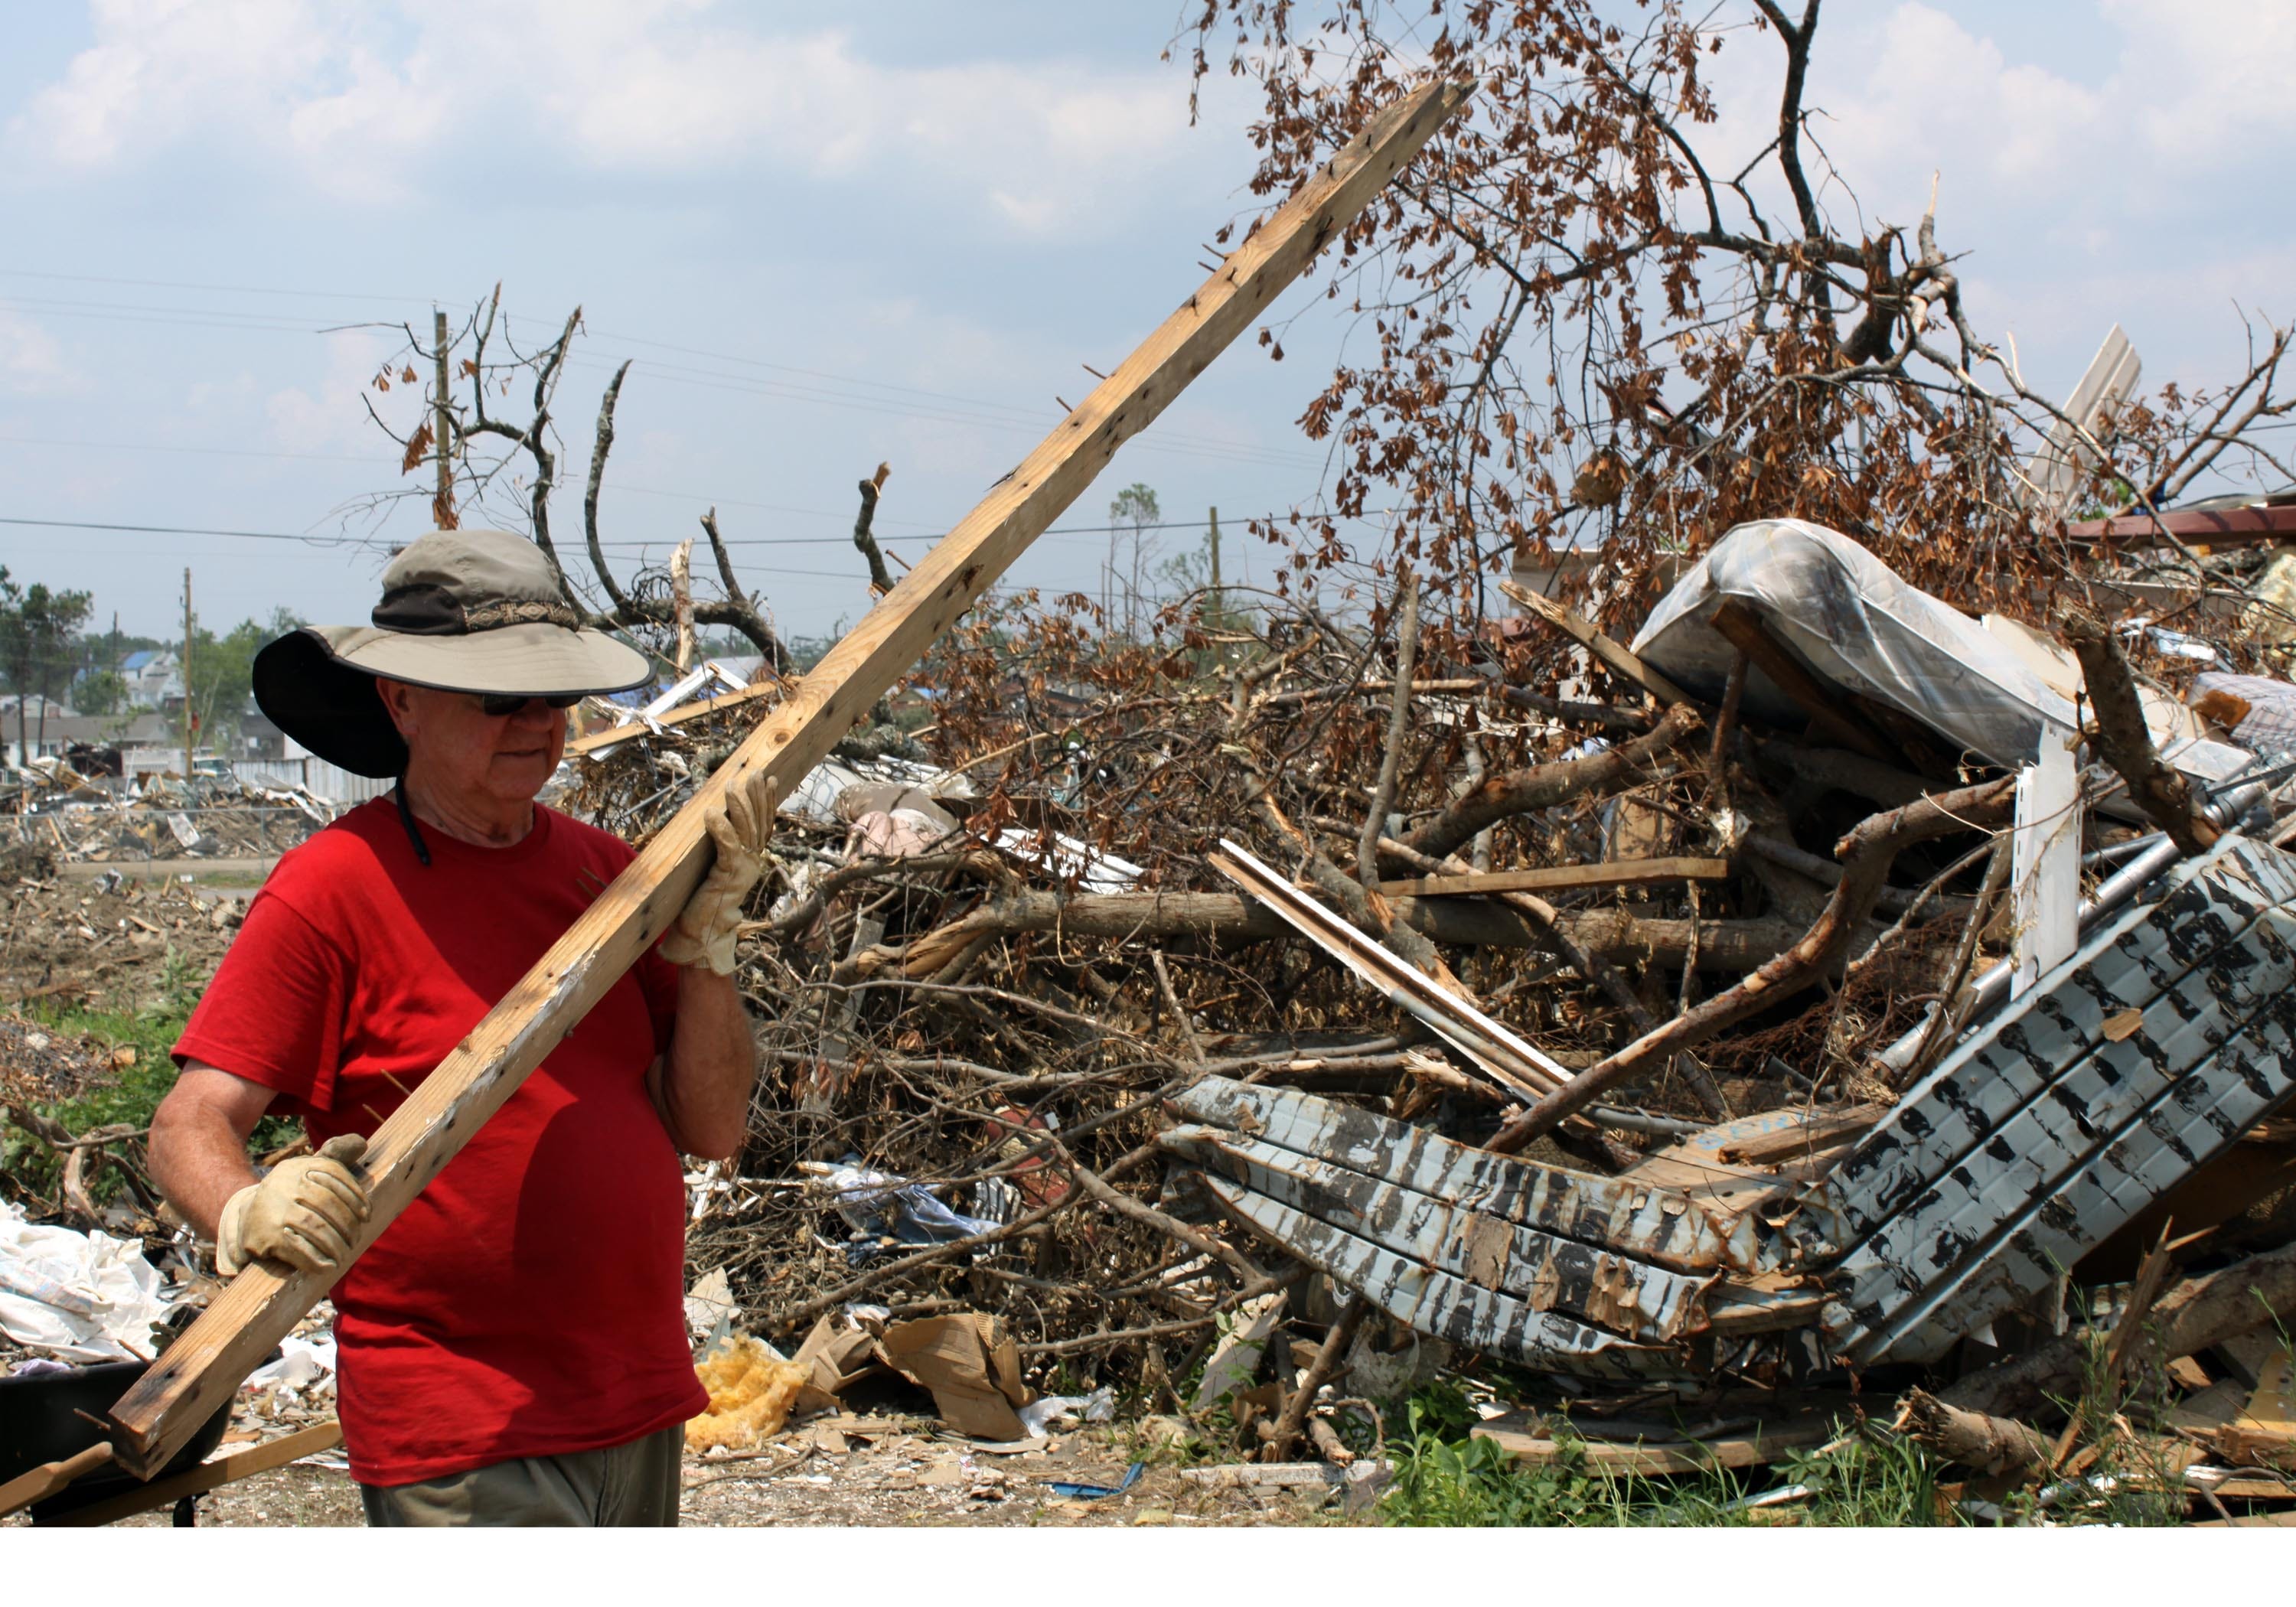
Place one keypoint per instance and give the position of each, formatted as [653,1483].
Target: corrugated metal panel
[1435,1302]
[1551,1274]
[1655,1224]
[1553,1267]
[2040,1137]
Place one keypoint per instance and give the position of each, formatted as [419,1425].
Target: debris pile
[1821,984]
[54,810]
[108,934]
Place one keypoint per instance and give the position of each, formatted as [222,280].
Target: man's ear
[399,702]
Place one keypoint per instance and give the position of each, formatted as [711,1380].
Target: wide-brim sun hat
[462,610]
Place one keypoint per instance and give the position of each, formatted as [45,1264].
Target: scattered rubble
[1735,1030]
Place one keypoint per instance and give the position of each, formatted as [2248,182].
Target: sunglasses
[502,705]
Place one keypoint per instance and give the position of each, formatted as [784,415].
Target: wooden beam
[1604,872]
[200,1371]
[211,1474]
[1584,632]
[1831,717]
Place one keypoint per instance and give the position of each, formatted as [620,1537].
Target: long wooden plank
[200,1371]
[1547,877]
[212,1474]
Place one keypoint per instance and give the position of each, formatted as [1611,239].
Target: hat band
[429,610]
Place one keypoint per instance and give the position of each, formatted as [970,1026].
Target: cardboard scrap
[1235,1361]
[837,1357]
[970,1363]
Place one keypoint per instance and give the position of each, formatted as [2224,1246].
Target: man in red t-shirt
[512,1347]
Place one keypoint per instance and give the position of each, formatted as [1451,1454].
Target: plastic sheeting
[1850,617]
[76,1295]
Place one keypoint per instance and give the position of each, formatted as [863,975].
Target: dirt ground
[900,1480]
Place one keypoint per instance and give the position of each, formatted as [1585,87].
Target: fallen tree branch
[2125,742]
[1543,786]
[1866,853]
[1286,1433]
[1229,918]
[1992,1445]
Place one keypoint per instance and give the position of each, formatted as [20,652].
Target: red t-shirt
[528,1302]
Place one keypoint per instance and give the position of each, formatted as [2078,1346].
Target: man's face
[467,752]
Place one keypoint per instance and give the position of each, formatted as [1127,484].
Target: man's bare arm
[702,1086]
[199,1141]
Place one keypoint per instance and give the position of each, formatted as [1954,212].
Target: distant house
[151,676]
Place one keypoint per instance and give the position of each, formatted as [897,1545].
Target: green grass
[1447,1478]
[129,1093]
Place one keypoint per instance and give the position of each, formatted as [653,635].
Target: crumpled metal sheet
[2040,1135]
[2054,1122]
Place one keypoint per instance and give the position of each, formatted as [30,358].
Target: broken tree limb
[1606,872]
[200,1370]
[1398,727]
[2190,1316]
[880,577]
[2124,741]
[1610,934]
[1542,786]
[1608,652]
[1991,1446]
[1285,1433]
[1866,853]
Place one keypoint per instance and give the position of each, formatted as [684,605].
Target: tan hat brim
[514,660]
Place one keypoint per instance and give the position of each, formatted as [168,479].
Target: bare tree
[1589,325]
[491,365]
[1130,517]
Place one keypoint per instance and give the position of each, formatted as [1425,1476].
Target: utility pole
[442,426]
[1216,609]
[189,717]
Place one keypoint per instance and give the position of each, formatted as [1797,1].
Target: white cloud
[2206,81]
[363,105]
[334,420]
[31,361]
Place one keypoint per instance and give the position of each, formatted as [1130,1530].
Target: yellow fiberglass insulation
[749,1396]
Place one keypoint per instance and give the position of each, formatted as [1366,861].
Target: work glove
[303,1213]
[739,823]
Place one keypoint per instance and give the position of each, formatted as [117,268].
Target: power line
[326,542]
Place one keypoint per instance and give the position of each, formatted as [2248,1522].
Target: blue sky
[895,236]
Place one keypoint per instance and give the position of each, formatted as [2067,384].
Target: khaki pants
[631,1485]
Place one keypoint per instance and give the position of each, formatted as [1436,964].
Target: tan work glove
[740,825]
[303,1213]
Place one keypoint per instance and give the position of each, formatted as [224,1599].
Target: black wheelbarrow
[55,1458]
